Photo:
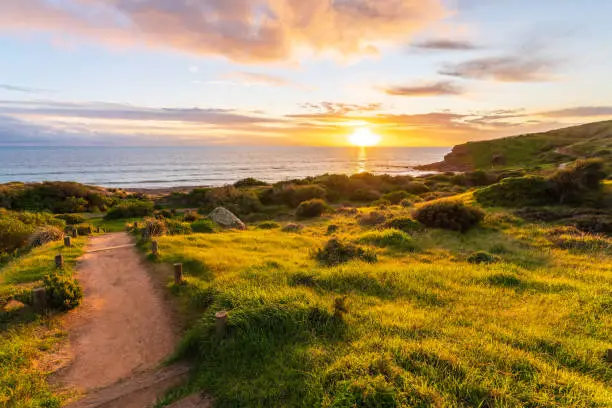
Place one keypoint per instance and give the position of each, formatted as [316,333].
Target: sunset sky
[299,72]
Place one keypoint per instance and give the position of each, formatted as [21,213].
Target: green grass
[111,225]
[26,338]
[423,328]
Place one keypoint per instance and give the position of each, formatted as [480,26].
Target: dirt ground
[124,326]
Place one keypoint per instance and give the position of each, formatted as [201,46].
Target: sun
[364,137]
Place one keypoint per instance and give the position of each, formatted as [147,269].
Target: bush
[205,226]
[84,229]
[190,216]
[573,182]
[336,252]
[446,214]
[63,291]
[293,228]
[593,223]
[518,192]
[154,228]
[389,238]
[406,203]
[482,257]
[71,219]
[175,227]
[130,209]
[405,224]
[249,182]
[311,208]
[363,195]
[14,234]
[44,235]
[268,225]
[396,197]
[332,229]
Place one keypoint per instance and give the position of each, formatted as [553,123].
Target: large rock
[226,219]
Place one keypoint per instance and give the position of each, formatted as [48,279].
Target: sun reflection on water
[362,160]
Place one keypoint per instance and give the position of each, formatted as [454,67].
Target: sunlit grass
[424,327]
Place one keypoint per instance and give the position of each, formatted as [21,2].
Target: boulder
[226,219]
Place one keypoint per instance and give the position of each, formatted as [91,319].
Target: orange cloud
[242,30]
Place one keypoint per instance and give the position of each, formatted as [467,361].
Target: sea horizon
[183,166]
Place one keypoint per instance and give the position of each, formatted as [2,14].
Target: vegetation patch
[389,238]
[311,208]
[130,209]
[451,215]
[482,257]
[336,252]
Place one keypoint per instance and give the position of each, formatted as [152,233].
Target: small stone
[226,219]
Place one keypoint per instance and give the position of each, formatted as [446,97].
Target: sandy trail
[123,327]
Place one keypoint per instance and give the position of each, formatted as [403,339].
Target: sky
[299,72]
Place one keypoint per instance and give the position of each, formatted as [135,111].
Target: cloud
[513,68]
[441,88]
[242,30]
[23,89]
[448,45]
[580,111]
[255,78]
[340,109]
[194,69]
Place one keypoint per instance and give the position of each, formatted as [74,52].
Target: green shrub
[311,208]
[518,192]
[190,216]
[71,219]
[381,203]
[268,225]
[364,195]
[336,252]
[63,291]
[84,229]
[175,227]
[372,219]
[482,257]
[130,209]
[332,229]
[154,228]
[389,238]
[249,182]
[582,242]
[405,224]
[45,234]
[239,202]
[406,203]
[593,223]
[396,197]
[14,234]
[293,228]
[573,182]
[204,226]
[446,214]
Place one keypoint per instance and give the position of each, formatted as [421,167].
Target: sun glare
[364,137]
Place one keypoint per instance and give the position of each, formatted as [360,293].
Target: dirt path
[124,327]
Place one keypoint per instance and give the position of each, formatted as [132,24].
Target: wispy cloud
[441,88]
[445,44]
[24,89]
[511,68]
[242,30]
[256,78]
[579,111]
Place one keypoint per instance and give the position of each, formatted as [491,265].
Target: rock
[293,228]
[226,219]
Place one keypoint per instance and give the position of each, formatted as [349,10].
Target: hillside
[547,148]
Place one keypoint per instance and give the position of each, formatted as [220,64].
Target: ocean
[160,167]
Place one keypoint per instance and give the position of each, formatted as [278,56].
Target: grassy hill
[537,149]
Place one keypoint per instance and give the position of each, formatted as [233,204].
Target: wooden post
[39,299]
[98,230]
[136,224]
[67,242]
[75,232]
[221,323]
[178,273]
[59,261]
[609,355]
[154,248]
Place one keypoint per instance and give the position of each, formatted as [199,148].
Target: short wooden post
[98,230]
[67,242]
[221,322]
[154,248]
[75,232]
[609,355]
[39,299]
[178,273]
[59,261]
[136,224]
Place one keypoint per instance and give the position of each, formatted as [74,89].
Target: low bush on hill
[364,195]
[405,224]
[389,238]
[311,208]
[63,291]
[518,192]
[292,195]
[372,219]
[130,209]
[268,225]
[190,216]
[574,183]
[204,226]
[396,197]
[17,228]
[71,219]
[447,214]
[482,257]
[249,182]
[45,234]
[337,252]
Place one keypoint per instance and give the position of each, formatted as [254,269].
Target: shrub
[332,229]
[84,229]
[336,252]
[389,238]
[204,226]
[518,192]
[406,203]
[268,225]
[239,202]
[154,228]
[14,234]
[294,195]
[482,257]
[130,209]
[44,235]
[249,182]
[574,181]
[71,219]
[381,203]
[364,195]
[593,223]
[446,214]
[396,197]
[372,219]
[405,224]
[63,291]
[190,216]
[311,208]
[175,227]
[293,228]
